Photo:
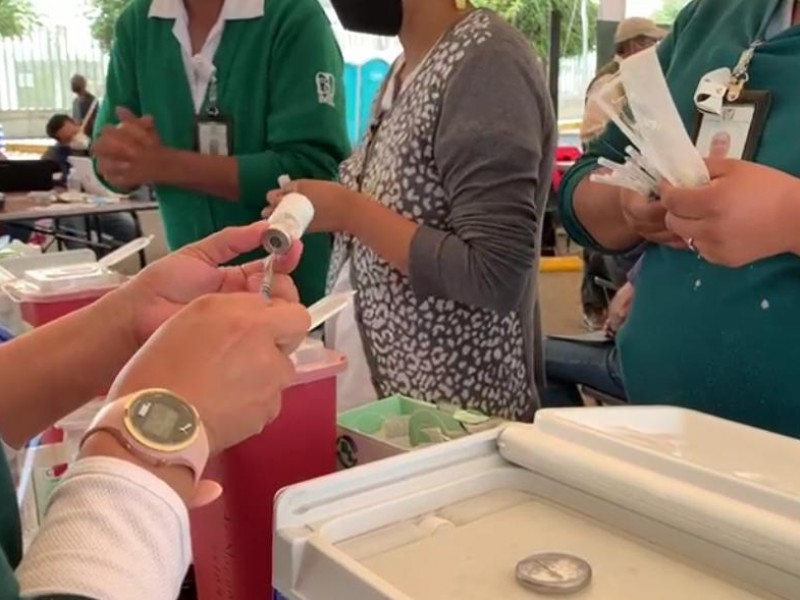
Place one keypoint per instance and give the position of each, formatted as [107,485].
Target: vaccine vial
[288,223]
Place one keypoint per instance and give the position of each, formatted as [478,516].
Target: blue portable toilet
[351,91]
[373,73]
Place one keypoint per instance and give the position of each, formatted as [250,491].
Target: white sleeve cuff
[113,531]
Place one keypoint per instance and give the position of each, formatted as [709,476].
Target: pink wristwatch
[162,430]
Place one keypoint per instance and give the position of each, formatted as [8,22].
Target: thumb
[719,167]
[125,115]
[148,122]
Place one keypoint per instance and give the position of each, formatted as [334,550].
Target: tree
[669,11]
[532,18]
[16,17]
[104,14]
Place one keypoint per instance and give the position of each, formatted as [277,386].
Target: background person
[119,226]
[701,334]
[84,106]
[117,527]
[445,260]
[273,75]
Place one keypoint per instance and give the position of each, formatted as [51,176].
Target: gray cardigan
[467,152]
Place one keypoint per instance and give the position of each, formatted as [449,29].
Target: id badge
[214,136]
[735,131]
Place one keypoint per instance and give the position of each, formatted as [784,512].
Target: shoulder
[294,9]
[132,21]
[701,16]
[496,54]
[484,32]
[136,10]
[488,39]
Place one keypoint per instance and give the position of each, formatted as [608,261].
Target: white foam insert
[474,558]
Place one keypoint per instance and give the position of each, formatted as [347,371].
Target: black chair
[601,398]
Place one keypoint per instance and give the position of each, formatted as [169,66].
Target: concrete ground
[561,305]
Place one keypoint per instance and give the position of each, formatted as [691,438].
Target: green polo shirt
[719,340]
[268,69]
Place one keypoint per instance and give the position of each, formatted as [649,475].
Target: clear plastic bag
[638,101]
[41,466]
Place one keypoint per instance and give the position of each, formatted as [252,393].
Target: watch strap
[111,420]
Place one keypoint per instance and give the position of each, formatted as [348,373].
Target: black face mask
[376,17]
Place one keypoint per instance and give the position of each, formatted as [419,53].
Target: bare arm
[214,175]
[84,352]
[598,208]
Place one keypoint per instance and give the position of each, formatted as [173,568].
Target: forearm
[214,175]
[84,351]
[113,531]
[382,230]
[440,263]
[597,207]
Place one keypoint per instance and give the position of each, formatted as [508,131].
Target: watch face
[162,420]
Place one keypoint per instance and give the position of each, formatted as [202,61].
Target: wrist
[789,215]
[355,214]
[179,478]
[165,162]
[116,311]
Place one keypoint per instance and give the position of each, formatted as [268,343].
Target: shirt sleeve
[122,87]
[306,116]
[611,144]
[496,128]
[633,274]
[113,531]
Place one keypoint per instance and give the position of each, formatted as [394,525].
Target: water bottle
[73,181]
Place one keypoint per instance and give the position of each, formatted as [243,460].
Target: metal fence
[35,70]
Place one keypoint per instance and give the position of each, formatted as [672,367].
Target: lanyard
[741,72]
[213,96]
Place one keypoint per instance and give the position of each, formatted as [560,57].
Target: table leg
[137,224]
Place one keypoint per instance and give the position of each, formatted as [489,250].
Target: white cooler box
[662,503]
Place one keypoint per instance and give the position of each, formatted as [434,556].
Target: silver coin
[554,573]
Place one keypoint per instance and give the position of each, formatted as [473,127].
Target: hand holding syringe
[287,224]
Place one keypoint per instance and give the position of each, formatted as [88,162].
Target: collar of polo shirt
[233,9]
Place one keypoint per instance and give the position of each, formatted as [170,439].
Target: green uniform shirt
[719,340]
[267,69]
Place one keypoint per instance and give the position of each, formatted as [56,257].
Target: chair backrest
[601,398]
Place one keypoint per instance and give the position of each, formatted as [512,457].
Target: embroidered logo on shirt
[326,89]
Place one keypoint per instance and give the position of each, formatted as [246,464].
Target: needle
[269,261]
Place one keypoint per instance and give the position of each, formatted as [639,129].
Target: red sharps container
[232,538]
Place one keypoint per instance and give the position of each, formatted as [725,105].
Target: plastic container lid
[71,278]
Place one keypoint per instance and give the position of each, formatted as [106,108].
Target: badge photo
[736,131]
[214,137]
